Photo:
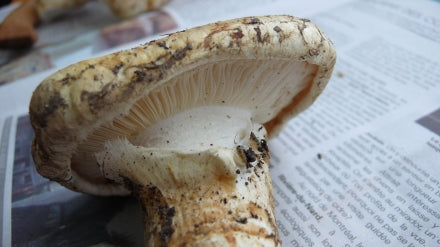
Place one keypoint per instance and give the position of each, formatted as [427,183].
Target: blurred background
[36,35]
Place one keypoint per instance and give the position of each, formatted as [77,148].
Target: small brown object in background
[17,30]
[50,9]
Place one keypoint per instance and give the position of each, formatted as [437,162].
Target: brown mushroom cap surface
[275,66]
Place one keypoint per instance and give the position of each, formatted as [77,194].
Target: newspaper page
[356,169]
[361,166]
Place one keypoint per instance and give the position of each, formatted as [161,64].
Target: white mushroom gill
[199,129]
[249,85]
[199,144]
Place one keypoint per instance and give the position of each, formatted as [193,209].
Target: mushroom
[49,9]
[182,123]
[128,8]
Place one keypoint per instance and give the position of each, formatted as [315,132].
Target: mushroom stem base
[220,216]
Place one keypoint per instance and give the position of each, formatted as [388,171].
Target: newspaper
[358,168]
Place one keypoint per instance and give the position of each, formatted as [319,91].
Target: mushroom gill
[247,84]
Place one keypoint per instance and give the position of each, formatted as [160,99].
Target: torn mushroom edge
[56,120]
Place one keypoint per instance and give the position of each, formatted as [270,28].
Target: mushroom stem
[220,218]
[216,197]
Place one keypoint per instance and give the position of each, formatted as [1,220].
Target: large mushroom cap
[274,66]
